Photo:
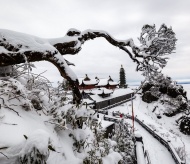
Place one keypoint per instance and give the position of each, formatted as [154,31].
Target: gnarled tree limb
[16,48]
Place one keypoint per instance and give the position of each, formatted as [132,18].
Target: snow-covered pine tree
[122,78]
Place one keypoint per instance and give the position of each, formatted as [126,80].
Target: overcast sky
[123,19]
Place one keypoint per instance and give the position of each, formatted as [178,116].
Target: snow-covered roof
[98,91]
[117,92]
[106,124]
[80,80]
[97,82]
[101,90]
[102,82]
[86,91]
[89,82]
[88,101]
[113,83]
[106,91]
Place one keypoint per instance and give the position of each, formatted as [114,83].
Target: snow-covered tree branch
[16,48]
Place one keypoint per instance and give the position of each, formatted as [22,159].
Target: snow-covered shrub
[102,149]
[85,131]
[13,93]
[175,105]
[59,120]
[35,150]
[125,142]
[184,124]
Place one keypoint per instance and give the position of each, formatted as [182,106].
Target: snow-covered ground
[166,127]
[157,152]
[187,88]
[33,125]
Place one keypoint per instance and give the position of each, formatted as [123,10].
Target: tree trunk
[16,48]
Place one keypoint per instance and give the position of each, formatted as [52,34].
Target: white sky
[123,19]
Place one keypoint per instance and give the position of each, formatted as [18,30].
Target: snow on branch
[149,56]
[16,48]
[155,45]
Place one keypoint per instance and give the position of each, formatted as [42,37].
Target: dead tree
[16,48]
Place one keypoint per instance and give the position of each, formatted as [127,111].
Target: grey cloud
[122,18]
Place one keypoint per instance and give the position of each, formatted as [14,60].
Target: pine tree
[122,78]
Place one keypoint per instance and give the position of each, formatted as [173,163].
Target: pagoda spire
[122,78]
[86,78]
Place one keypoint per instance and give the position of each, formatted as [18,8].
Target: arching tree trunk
[53,58]
[16,48]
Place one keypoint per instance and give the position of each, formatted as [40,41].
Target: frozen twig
[4,155]
[5,106]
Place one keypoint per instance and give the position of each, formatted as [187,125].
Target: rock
[163,89]
[183,107]
[149,97]
[159,116]
[146,87]
[171,113]
[183,92]
[185,125]
[175,91]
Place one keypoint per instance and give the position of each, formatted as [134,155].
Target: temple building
[101,93]
[107,83]
[88,83]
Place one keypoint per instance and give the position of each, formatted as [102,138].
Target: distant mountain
[137,83]
[184,82]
